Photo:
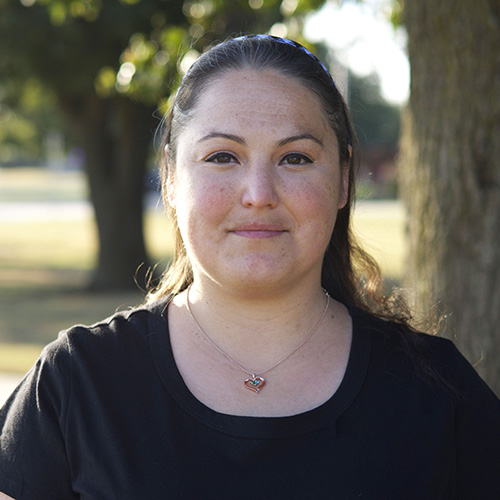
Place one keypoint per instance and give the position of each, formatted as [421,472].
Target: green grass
[380,228]
[18,357]
[36,184]
[47,245]
[66,244]
[44,270]
[44,266]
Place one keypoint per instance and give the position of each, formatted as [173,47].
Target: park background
[77,76]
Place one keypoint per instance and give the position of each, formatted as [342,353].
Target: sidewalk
[8,382]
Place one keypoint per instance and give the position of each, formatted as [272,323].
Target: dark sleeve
[477,424]
[33,461]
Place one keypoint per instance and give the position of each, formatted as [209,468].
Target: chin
[257,279]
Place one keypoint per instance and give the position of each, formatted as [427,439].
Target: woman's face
[257,183]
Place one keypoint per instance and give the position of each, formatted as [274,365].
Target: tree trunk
[450,171]
[116,135]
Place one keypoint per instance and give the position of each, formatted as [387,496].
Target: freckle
[222,191]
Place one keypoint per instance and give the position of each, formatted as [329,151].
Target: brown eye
[296,159]
[221,158]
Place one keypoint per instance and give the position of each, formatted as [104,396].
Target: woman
[261,367]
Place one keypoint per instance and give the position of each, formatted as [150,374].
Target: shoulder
[421,387]
[398,337]
[123,326]
[85,361]
[120,337]
[433,360]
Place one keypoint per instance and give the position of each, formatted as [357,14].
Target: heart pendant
[255,383]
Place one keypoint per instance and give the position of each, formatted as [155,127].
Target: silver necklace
[256,381]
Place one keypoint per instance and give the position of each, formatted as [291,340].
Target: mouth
[258,231]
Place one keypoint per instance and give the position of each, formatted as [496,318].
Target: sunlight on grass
[37,184]
[380,230]
[52,244]
[69,244]
[18,357]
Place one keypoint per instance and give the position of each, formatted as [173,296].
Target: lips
[258,230]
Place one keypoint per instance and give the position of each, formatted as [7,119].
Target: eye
[221,158]
[296,159]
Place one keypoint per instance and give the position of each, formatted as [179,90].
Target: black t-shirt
[105,414]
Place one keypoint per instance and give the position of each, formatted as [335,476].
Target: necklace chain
[256,378]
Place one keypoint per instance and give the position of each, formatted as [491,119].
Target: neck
[257,331]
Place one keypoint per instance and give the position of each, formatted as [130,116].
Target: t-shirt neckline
[258,427]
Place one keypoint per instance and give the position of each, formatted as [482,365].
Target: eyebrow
[240,140]
[299,137]
[222,135]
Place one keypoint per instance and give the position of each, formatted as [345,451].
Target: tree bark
[116,135]
[450,171]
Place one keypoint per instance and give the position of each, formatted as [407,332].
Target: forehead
[250,98]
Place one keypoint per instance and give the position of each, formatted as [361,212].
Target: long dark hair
[349,274]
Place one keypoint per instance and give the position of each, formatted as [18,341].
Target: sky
[365,41]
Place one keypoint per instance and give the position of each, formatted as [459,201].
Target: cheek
[316,212]
[203,202]
[316,201]
[213,199]
[313,194]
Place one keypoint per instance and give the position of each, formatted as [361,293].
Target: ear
[344,180]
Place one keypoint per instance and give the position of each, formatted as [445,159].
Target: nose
[260,188]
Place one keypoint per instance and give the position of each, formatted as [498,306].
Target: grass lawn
[45,264]
[44,269]
[380,228]
[37,184]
